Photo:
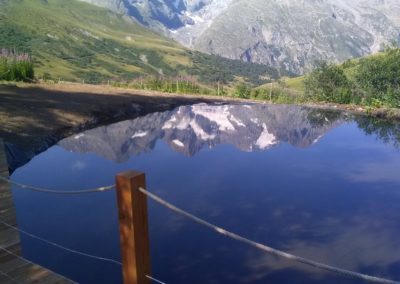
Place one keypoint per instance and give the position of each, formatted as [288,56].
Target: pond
[319,184]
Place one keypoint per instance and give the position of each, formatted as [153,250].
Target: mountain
[76,41]
[287,34]
[295,33]
[189,129]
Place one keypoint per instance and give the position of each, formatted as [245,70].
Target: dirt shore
[35,116]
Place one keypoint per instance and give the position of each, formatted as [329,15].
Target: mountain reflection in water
[188,129]
[320,184]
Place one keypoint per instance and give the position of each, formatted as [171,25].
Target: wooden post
[133,227]
[270,93]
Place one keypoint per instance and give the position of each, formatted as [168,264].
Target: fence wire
[12,279]
[196,219]
[32,263]
[266,248]
[68,250]
[155,280]
[51,191]
[61,246]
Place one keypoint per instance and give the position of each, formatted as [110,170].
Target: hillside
[77,41]
[372,81]
[285,34]
[295,34]
[349,67]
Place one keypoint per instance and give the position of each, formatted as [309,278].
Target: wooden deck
[12,268]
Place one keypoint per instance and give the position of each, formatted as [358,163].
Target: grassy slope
[74,40]
[350,67]
[67,36]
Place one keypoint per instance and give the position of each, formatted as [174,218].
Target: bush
[372,81]
[15,66]
[328,83]
[379,78]
[242,91]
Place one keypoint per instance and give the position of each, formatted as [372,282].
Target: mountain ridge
[74,41]
[291,35]
[189,129]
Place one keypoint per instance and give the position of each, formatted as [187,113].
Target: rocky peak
[288,34]
[188,129]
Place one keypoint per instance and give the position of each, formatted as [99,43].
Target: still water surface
[319,184]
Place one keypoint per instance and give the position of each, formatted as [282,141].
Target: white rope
[60,246]
[265,248]
[69,250]
[9,277]
[30,262]
[155,280]
[65,192]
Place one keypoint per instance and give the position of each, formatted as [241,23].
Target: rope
[69,250]
[9,277]
[65,192]
[155,280]
[60,246]
[265,248]
[30,262]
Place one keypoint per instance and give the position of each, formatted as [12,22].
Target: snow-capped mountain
[290,34]
[188,129]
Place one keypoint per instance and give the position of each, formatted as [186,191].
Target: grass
[183,85]
[15,66]
[295,84]
[76,41]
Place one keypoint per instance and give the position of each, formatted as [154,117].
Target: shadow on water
[309,182]
[36,118]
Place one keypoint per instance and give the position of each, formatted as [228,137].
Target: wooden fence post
[133,227]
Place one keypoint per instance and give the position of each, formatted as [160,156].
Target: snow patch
[220,115]
[139,134]
[266,139]
[237,121]
[187,123]
[317,139]
[178,143]
[200,133]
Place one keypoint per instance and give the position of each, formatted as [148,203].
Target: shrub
[379,78]
[372,81]
[328,83]
[242,91]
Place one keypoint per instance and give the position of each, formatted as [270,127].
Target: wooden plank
[10,264]
[3,159]
[133,225]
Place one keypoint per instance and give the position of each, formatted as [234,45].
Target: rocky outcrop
[294,34]
[288,34]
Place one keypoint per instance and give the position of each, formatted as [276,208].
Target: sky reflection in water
[305,181]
